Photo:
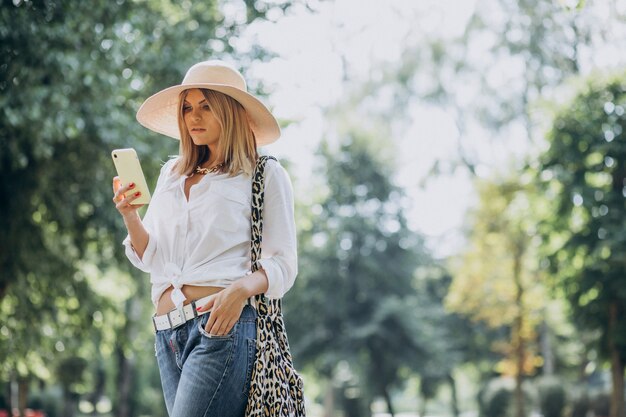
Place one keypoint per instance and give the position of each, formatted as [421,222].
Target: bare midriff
[192,292]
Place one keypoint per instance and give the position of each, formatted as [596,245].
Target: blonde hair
[236,146]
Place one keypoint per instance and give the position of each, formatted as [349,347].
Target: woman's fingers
[217,329]
[117,183]
[122,198]
[126,201]
[222,317]
[209,304]
[206,307]
[224,330]
[120,190]
[220,328]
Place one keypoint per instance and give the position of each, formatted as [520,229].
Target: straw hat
[159,111]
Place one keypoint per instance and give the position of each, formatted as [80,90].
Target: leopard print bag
[276,389]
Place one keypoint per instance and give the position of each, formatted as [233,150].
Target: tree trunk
[99,387]
[125,366]
[518,337]
[355,406]
[70,400]
[454,402]
[329,400]
[546,350]
[7,394]
[617,365]
[123,383]
[22,394]
[519,377]
[422,411]
[388,401]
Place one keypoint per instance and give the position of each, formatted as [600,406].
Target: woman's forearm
[138,234]
[251,285]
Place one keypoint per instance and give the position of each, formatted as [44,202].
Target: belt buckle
[181,313]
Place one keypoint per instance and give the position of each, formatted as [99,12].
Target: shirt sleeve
[279,251]
[145,262]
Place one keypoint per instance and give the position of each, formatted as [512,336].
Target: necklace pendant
[204,171]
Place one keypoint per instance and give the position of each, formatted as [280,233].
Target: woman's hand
[225,307]
[122,202]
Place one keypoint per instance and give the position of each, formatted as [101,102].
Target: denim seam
[250,364]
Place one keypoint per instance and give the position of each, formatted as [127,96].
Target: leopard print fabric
[276,389]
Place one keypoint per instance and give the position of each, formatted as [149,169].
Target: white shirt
[206,241]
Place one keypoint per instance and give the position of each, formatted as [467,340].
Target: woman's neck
[213,158]
[211,162]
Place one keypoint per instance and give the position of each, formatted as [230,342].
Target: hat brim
[159,112]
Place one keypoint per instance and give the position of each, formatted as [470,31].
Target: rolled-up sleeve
[145,261]
[279,251]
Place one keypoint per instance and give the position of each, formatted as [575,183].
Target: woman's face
[201,124]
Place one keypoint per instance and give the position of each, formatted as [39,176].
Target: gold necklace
[204,171]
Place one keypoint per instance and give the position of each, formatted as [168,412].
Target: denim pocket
[228,336]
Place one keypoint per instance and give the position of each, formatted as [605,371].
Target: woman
[194,239]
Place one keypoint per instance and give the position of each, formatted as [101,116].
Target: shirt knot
[175,277]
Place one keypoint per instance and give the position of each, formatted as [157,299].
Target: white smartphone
[129,170]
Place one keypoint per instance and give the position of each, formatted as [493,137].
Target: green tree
[74,75]
[58,83]
[496,279]
[584,175]
[360,318]
[462,339]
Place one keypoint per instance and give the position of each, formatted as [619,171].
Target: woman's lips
[198,130]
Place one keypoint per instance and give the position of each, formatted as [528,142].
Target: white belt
[178,317]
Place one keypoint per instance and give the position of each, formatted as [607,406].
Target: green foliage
[496,277]
[497,398]
[359,315]
[499,403]
[583,172]
[50,400]
[51,215]
[584,176]
[580,406]
[601,405]
[71,372]
[552,397]
[429,386]
[74,75]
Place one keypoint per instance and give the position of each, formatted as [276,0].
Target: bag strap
[258,195]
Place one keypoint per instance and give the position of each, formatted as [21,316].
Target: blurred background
[460,177]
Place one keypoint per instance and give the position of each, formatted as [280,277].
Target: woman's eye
[206,107]
[186,108]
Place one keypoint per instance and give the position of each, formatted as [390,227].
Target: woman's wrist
[251,285]
[241,290]
[131,217]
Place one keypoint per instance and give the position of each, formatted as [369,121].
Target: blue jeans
[205,376]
